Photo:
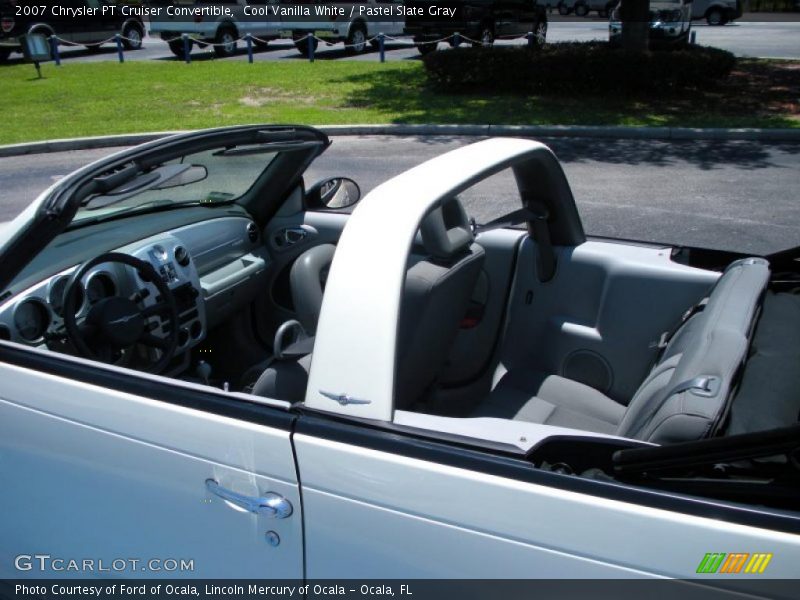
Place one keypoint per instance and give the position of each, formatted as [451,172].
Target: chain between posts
[310,38]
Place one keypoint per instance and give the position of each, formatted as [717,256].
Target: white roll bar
[353,364]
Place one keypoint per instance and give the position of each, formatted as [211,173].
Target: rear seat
[686,392]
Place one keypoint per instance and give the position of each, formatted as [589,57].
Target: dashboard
[211,267]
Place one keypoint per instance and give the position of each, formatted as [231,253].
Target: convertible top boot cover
[769,394]
[686,393]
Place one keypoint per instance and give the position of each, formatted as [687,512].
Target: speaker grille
[589,368]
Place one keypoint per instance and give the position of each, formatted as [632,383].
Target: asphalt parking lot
[728,195]
[744,38]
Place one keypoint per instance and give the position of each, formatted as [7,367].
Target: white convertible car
[203,359]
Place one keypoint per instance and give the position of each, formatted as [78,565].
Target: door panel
[602,313]
[276,306]
[92,472]
[432,520]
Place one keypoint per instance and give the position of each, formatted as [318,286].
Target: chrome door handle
[270,504]
[285,238]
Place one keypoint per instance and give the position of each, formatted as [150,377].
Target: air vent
[182,256]
[252,232]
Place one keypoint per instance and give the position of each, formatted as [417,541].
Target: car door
[267,23]
[105,463]
[133,474]
[65,27]
[294,230]
[110,18]
[451,497]
[448,510]
[506,18]
[93,29]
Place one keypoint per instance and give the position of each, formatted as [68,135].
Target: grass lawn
[106,98]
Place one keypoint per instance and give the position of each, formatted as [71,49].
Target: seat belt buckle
[473,317]
[706,386]
[662,342]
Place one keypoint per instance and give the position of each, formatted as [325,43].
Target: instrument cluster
[37,314]
[40,310]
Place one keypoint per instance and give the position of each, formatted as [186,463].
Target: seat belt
[704,385]
[515,217]
[667,336]
[546,258]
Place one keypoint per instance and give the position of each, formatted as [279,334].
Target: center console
[173,262]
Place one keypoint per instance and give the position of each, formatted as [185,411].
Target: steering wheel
[117,322]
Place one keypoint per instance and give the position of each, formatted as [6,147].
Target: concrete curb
[578,131]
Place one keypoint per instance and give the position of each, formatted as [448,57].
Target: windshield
[216,176]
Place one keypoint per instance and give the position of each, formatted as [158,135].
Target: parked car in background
[603,8]
[670,23]
[23,17]
[204,25]
[566,7]
[480,22]
[358,27]
[717,12]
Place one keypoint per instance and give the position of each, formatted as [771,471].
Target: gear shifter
[203,371]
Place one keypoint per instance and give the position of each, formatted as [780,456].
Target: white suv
[670,22]
[356,28]
[717,12]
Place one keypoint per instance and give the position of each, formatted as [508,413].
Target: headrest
[445,230]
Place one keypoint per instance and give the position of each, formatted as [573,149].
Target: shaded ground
[759,89]
[764,87]
[758,93]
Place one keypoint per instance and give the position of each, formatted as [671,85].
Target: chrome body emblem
[344,399]
[122,320]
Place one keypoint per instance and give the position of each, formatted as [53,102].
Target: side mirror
[334,193]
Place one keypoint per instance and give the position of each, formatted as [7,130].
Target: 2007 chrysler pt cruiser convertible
[198,349]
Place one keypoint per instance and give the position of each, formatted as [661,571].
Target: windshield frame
[52,212]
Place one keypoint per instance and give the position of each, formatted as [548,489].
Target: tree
[635,17]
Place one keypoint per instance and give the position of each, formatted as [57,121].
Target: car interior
[503,330]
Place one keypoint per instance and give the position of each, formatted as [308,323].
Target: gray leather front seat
[438,286]
[306,279]
[686,392]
